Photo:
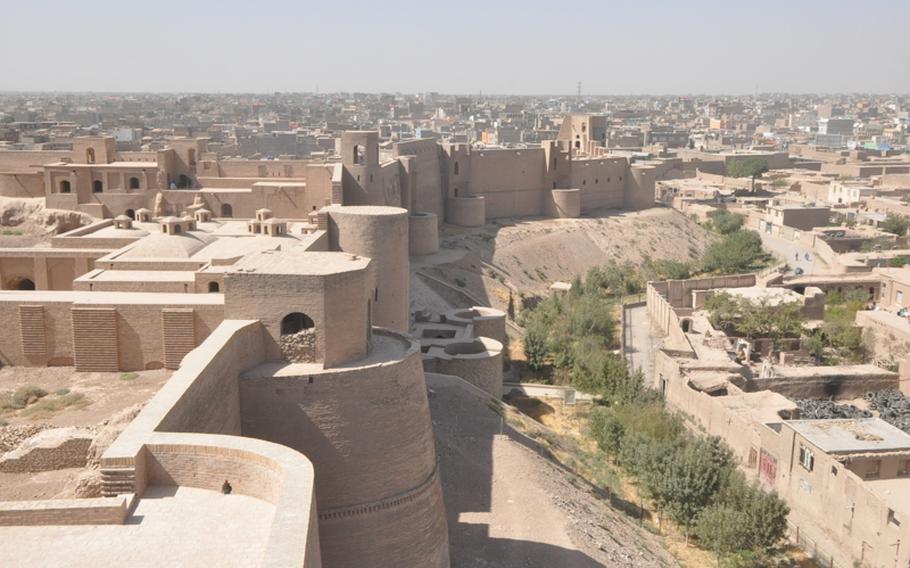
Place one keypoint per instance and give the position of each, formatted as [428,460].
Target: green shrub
[23,396]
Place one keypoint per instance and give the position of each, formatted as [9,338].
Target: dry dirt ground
[510,507]
[103,396]
[528,255]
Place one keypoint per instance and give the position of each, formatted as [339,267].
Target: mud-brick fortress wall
[381,234]
[428,194]
[57,328]
[367,431]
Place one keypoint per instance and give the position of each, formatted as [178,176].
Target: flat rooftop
[108,298]
[299,261]
[852,435]
[171,526]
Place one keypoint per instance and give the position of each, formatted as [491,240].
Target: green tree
[895,224]
[725,222]
[755,319]
[692,478]
[535,345]
[737,252]
[750,167]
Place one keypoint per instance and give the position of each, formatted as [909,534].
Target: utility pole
[579,91]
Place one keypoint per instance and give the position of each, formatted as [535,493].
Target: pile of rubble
[13,435]
[815,409]
[892,406]
[299,347]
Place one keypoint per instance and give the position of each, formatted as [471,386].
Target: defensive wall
[116,331]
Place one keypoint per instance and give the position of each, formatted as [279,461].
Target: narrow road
[639,341]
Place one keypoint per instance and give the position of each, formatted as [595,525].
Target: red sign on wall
[767,467]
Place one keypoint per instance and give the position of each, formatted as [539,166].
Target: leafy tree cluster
[895,224]
[754,320]
[692,479]
[559,327]
[617,279]
[838,339]
[739,251]
[725,222]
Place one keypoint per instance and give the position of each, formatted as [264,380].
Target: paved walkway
[787,251]
[639,341]
[173,527]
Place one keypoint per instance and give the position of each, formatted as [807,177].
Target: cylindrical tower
[423,233]
[367,430]
[380,233]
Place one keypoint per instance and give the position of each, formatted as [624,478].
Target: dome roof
[161,245]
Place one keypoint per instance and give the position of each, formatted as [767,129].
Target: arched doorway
[23,284]
[214,287]
[227,210]
[65,186]
[97,186]
[296,322]
[89,155]
[134,183]
[183,182]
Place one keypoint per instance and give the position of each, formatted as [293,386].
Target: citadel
[278,292]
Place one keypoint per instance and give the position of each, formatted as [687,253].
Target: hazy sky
[457,46]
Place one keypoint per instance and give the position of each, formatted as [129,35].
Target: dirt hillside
[528,255]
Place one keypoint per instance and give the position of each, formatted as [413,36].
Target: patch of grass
[61,392]
[12,233]
[49,405]
[22,397]
[129,376]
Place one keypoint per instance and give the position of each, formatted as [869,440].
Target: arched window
[65,186]
[131,214]
[214,287]
[295,322]
[227,210]
[25,284]
[98,186]
[134,183]
[89,155]
[456,168]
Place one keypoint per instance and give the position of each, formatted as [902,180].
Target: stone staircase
[117,481]
[95,339]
